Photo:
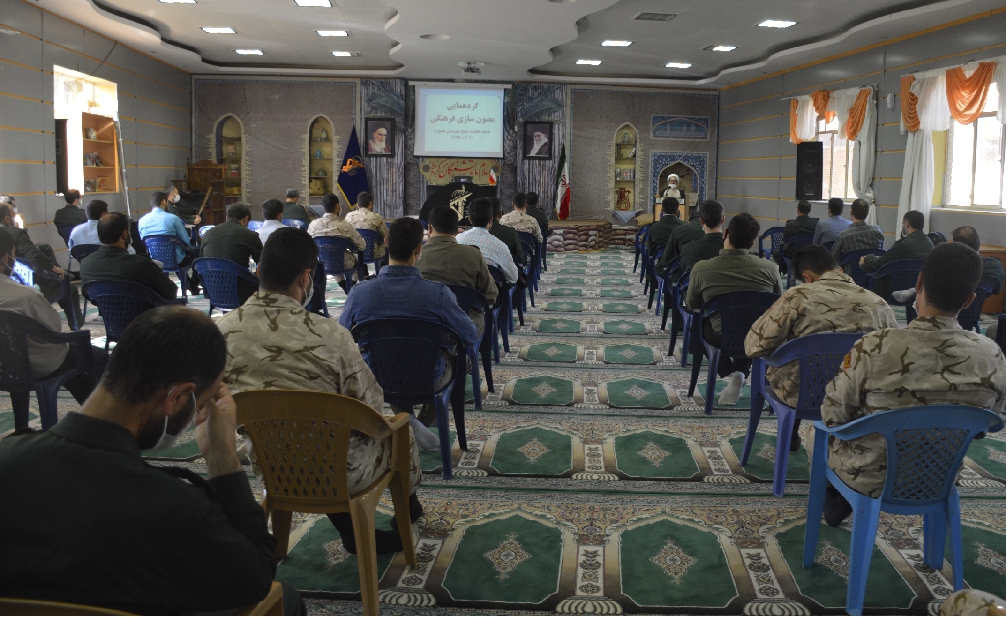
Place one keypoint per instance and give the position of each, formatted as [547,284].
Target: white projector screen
[462,121]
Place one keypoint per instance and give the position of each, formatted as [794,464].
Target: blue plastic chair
[80,252]
[203,229]
[255,225]
[651,275]
[220,282]
[318,304]
[924,449]
[529,243]
[543,247]
[639,241]
[64,232]
[15,366]
[24,273]
[531,271]
[739,310]
[793,244]
[371,239]
[295,223]
[162,248]
[902,274]
[685,317]
[819,357]
[504,317]
[402,354]
[332,254]
[776,236]
[829,245]
[666,290]
[851,265]
[969,317]
[471,299]
[120,302]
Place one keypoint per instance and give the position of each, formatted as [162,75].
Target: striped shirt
[495,252]
[859,236]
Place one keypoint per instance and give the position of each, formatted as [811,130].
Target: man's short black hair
[711,213]
[164,347]
[670,205]
[239,211]
[743,230]
[967,235]
[330,203]
[519,200]
[951,272]
[404,236]
[915,219]
[835,206]
[71,196]
[5,211]
[532,199]
[292,194]
[288,252]
[814,258]
[111,227]
[480,212]
[498,211]
[364,199]
[95,209]
[859,209]
[804,207]
[272,209]
[157,198]
[6,244]
[444,220]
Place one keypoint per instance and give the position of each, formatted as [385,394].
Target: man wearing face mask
[132,536]
[176,206]
[914,244]
[113,260]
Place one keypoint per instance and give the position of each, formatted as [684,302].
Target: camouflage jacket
[834,303]
[521,221]
[363,218]
[930,362]
[332,225]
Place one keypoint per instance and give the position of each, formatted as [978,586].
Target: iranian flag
[562,206]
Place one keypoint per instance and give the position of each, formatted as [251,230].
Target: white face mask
[308,293]
[167,440]
[176,199]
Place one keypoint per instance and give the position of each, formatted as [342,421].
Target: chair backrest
[332,253]
[301,439]
[203,229]
[81,251]
[23,606]
[798,241]
[220,280]
[776,236]
[819,357]
[295,223]
[15,367]
[739,310]
[851,264]
[402,354]
[528,238]
[502,286]
[680,289]
[255,225]
[641,236]
[902,274]
[64,232]
[371,238]
[162,248]
[120,302]
[672,267]
[469,299]
[23,273]
[829,245]
[530,254]
[969,317]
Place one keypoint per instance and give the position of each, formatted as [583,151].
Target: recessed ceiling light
[435,37]
[342,54]
[591,62]
[214,30]
[324,3]
[608,43]
[249,52]
[331,32]
[678,65]
[775,23]
[178,1]
[722,48]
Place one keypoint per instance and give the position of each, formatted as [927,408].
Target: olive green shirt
[444,260]
[232,241]
[707,247]
[681,235]
[731,270]
[293,211]
[915,246]
[660,231]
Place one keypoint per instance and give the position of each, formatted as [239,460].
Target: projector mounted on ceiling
[471,67]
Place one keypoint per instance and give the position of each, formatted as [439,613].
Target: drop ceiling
[515,40]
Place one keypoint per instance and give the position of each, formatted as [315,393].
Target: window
[974,169]
[837,151]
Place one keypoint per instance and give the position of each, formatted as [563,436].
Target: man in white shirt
[87,233]
[272,211]
[495,252]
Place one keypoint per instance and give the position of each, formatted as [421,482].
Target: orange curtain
[856,115]
[908,103]
[967,95]
[794,122]
[819,100]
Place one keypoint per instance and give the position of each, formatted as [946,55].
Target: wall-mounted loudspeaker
[808,175]
[61,156]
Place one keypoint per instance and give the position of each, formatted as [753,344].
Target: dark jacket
[443,260]
[69,216]
[992,268]
[509,237]
[540,216]
[293,211]
[112,262]
[232,241]
[130,536]
[705,248]
[26,249]
[915,246]
[681,235]
[799,225]
[660,231]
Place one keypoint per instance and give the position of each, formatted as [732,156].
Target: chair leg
[475,372]
[281,531]
[817,498]
[755,412]
[673,330]
[399,489]
[952,516]
[444,436]
[47,406]
[484,354]
[785,425]
[363,514]
[711,381]
[695,375]
[19,402]
[184,281]
[864,527]
[934,540]
[687,339]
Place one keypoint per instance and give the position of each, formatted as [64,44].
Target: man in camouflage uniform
[520,220]
[273,342]
[332,225]
[364,217]
[930,362]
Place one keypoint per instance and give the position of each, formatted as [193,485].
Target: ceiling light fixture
[178,1]
[591,62]
[322,3]
[216,30]
[678,65]
[722,48]
[332,32]
[249,52]
[775,23]
[654,16]
[609,43]
[342,54]
[435,37]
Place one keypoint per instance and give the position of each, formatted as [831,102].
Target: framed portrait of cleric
[538,143]
[379,135]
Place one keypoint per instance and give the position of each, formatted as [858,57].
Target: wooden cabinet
[101,154]
[321,170]
[624,197]
[204,175]
[230,154]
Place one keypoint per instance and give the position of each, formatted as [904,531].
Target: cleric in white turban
[674,189]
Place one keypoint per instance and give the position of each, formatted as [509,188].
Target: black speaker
[808,174]
[61,156]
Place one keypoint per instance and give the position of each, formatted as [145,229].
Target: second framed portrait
[538,142]
[380,135]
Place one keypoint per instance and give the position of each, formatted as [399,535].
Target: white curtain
[862,167]
[806,128]
[917,187]
[999,79]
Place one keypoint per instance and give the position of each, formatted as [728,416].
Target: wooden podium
[204,175]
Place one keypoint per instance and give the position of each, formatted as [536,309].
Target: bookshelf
[101,154]
[321,168]
[624,168]
[230,153]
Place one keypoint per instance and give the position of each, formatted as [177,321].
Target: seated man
[495,252]
[830,301]
[159,222]
[734,269]
[913,245]
[859,236]
[176,206]
[112,261]
[991,265]
[933,360]
[506,234]
[183,543]
[532,209]
[42,258]
[447,261]
[294,211]
[681,236]
[87,232]
[45,359]
[400,292]
[828,229]
[272,211]
[802,223]
[520,220]
[234,241]
[709,246]
[71,214]
[332,225]
[273,342]
[364,217]
[659,232]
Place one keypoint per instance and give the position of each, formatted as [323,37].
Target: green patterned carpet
[593,484]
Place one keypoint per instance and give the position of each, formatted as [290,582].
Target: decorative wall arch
[220,141]
[697,161]
[319,156]
[621,159]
